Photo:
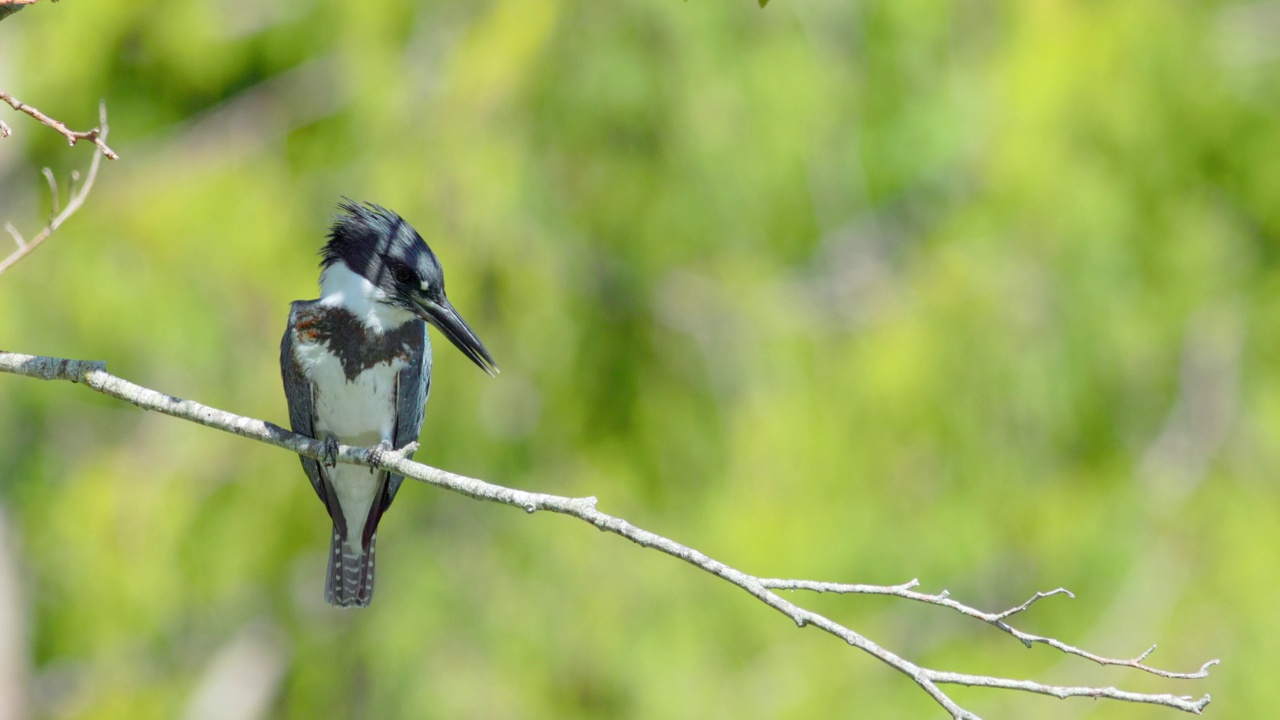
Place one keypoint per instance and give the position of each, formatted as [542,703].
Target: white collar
[342,287]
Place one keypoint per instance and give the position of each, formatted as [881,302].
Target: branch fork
[97,136]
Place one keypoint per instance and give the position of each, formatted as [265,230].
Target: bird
[356,365]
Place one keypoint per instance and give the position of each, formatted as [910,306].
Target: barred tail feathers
[350,580]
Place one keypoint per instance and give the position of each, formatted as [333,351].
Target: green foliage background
[980,293]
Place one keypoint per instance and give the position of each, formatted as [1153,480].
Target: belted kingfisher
[357,370]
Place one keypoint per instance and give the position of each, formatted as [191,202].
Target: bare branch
[97,136]
[55,201]
[94,375]
[17,236]
[76,199]
[997,619]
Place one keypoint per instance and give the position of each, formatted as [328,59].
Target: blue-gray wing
[413,387]
[299,394]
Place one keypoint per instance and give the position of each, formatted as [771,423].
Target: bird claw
[379,452]
[330,451]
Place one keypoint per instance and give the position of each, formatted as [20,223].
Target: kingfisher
[357,371]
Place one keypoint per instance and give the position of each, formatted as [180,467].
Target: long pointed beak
[448,321]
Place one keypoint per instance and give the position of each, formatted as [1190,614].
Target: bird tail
[350,582]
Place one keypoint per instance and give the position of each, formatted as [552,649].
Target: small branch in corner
[97,136]
[77,192]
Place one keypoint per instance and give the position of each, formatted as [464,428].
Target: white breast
[358,412]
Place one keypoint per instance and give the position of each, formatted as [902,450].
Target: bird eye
[403,274]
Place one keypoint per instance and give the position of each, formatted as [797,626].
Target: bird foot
[378,453]
[330,451]
[384,451]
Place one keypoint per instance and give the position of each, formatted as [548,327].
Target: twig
[997,619]
[98,135]
[74,201]
[17,236]
[55,201]
[94,375]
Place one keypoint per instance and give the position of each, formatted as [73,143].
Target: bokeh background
[981,293]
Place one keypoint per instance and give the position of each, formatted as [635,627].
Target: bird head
[402,272]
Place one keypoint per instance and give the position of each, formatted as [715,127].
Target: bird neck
[340,286]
